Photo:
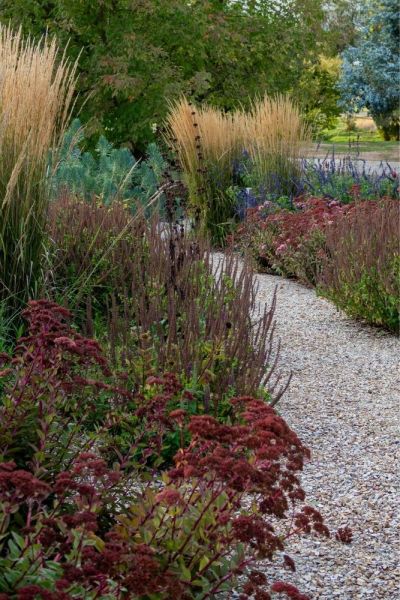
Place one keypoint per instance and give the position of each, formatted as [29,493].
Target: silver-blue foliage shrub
[370,69]
[107,174]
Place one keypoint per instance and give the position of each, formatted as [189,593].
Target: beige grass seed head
[272,131]
[37,87]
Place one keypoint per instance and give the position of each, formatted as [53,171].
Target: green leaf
[185,573]
[203,562]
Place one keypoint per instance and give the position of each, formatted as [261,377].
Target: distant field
[365,141]
[369,150]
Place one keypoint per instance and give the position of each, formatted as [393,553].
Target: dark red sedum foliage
[93,525]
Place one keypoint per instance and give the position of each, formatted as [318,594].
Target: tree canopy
[137,54]
[370,71]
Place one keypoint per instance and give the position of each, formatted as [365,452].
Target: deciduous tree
[136,54]
[370,72]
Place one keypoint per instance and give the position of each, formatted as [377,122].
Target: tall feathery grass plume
[275,136]
[37,86]
[208,142]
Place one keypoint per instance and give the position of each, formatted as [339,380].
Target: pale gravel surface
[343,402]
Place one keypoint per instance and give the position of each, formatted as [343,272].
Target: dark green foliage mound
[133,55]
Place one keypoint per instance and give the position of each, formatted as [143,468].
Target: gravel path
[343,402]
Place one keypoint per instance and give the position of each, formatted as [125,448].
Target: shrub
[36,89]
[211,145]
[77,521]
[164,302]
[291,242]
[107,174]
[361,272]
[345,180]
[350,252]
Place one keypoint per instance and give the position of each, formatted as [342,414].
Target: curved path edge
[344,403]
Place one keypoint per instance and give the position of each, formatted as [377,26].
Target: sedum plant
[349,252]
[290,242]
[79,518]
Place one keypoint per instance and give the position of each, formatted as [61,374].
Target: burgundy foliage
[163,302]
[93,527]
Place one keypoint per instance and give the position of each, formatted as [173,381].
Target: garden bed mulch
[343,402]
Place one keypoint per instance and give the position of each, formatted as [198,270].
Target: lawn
[365,139]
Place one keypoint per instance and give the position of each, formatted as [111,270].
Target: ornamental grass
[36,94]
[210,144]
[275,135]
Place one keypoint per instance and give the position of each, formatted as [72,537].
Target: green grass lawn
[385,150]
[362,140]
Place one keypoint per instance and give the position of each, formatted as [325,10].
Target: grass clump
[207,143]
[36,94]
[274,134]
[213,146]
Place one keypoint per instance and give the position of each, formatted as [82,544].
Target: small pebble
[343,402]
